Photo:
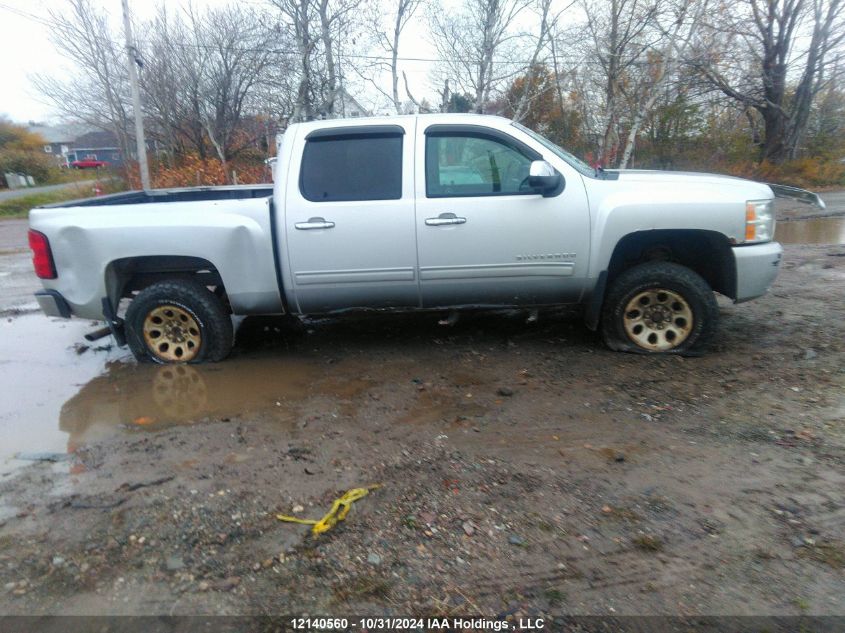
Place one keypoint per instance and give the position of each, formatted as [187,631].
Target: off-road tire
[207,310]
[686,283]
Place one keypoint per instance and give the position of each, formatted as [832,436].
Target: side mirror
[543,177]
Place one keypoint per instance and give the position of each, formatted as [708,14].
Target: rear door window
[342,168]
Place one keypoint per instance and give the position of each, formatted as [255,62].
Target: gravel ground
[525,470]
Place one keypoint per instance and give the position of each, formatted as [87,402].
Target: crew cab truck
[421,212]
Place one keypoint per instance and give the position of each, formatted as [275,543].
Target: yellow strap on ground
[340,508]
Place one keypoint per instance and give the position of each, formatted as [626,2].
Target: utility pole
[136,98]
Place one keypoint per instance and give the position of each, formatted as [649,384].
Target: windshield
[561,153]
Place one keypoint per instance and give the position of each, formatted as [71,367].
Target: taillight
[42,258]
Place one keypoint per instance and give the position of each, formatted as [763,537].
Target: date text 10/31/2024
[388,625]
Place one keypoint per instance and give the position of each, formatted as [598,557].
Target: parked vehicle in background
[427,212]
[88,163]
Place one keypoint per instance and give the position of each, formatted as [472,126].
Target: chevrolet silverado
[420,212]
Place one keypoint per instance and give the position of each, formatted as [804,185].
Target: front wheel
[178,321]
[659,307]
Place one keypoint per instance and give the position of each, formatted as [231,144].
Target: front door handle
[314,223]
[445,218]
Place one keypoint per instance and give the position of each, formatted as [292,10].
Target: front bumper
[53,304]
[757,266]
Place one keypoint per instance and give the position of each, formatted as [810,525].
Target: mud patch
[525,469]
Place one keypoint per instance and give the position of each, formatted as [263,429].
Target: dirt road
[17,279]
[524,470]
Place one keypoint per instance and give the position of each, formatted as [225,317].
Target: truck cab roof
[430,118]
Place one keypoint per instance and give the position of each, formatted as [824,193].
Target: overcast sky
[26,50]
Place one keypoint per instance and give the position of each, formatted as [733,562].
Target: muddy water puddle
[39,371]
[58,395]
[811,231]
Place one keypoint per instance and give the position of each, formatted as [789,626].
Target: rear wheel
[659,307]
[178,321]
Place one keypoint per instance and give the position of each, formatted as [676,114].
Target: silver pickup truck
[428,212]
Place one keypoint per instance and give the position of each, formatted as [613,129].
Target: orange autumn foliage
[193,171]
[802,172]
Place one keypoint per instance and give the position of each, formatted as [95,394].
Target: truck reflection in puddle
[179,392]
[134,397]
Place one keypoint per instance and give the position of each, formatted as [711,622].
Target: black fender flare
[592,314]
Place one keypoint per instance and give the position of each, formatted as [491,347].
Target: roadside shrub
[803,172]
[35,164]
[193,171]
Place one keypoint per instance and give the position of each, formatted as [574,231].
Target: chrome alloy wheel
[172,334]
[658,319]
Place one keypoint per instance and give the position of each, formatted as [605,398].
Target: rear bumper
[53,304]
[757,266]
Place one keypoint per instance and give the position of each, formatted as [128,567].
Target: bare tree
[202,74]
[468,42]
[405,10]
[318,29]
[237,47]
[684,19]
[421,106]
[171,84]
[766,36]
[823,54]
[96,93]
[299,17]
[618,37]
[545,33]
[388,42]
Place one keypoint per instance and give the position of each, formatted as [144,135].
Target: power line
[385,58]
[26,15]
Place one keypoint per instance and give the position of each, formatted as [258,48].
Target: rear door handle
[314,223]
[444,219]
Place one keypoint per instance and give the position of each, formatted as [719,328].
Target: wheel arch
[708,253]
[128,275]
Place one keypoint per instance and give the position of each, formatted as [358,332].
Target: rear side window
[341,168]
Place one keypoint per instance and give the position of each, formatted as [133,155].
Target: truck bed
[186,194]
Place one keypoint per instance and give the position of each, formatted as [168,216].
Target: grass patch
[361,588]
[803,604]
[621,514]
[63,175]
[648,543]
[554,596]
[831,553]
[20,207]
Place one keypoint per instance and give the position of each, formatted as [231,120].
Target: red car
[88,163]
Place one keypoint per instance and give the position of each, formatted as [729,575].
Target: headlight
[759,221]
